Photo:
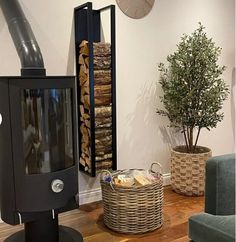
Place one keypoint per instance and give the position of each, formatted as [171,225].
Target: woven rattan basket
[133,210]
[188,172]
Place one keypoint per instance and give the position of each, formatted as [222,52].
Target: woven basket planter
[133,210]
[188,171]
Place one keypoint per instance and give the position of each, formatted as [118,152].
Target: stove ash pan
[38,144]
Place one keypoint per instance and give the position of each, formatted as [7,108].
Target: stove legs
[45,230]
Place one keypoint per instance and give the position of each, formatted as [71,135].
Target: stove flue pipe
[24,40]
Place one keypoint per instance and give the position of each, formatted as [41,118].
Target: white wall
[141,45]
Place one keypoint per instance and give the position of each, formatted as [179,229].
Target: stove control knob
[0,118]
[57,185]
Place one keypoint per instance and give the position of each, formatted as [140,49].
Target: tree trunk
[185,139]
[191,139]
[198,133]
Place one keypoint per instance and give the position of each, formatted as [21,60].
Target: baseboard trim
[95,195]
[90,196]
[166,179]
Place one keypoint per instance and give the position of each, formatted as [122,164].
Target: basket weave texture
[188,172]
[133,210]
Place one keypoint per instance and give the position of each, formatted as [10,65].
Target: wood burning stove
[38,142]
[37,139]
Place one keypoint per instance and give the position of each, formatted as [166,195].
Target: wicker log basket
[188,171]
[132,210]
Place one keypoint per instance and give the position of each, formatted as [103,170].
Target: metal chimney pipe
[23,38]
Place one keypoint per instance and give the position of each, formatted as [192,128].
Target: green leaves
[192,85]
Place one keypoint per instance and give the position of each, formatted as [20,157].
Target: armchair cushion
[211,228]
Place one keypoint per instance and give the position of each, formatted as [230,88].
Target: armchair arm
[220,185]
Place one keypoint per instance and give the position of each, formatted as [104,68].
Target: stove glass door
[47,130]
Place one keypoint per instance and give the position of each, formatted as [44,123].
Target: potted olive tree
[193,94]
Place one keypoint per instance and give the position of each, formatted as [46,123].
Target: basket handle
[103,172]
[159,166]
[102,177]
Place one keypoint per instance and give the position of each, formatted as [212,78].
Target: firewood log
[105,141]
[83,77]
[86,101]
[101,49]
[103,146]
[84,69]
[102,77]
[87,123]
[83,43]
[85,146]
[82,99]
[88,161]
[102,143]
[102,63]
[86,61]
[84,90]
[105,125]
[103,111]
[104,100]
[86,107]
[100,151]
[103,122]
[85,150]
[86,116]
[99,90]
[84,48]
[81,59]
[81,110]
[104,157]
[85,138]
[82,128]
[82,161]
[102,132]
[106,164]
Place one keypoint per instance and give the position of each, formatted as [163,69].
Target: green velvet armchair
[217,223]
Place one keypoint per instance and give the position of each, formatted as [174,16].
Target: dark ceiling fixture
[38,141]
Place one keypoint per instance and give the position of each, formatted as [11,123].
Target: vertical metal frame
[113,76]
[91,86]
[113,81]
[87,26]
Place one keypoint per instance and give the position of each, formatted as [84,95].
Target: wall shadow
[233,100]
[70,70]
[147,136]
[2,20]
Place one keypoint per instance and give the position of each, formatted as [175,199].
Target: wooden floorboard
[89,221]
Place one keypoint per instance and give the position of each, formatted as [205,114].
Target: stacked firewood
[103,108]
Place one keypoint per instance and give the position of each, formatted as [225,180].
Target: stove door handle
[57,185]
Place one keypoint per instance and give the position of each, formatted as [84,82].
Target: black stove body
[38,146]
[38,153]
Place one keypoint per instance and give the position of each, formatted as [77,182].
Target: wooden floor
[89,221]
